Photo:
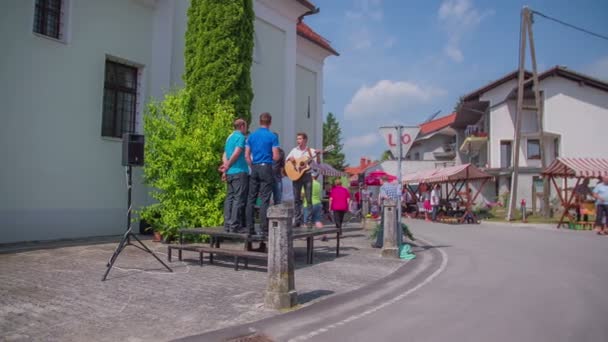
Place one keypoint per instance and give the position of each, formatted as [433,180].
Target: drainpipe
[311,12]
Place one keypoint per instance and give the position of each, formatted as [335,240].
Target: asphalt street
[500,284]
[479,283]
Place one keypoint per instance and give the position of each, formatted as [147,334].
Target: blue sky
[402,60]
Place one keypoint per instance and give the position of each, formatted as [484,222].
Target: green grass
[531,219]
[499,215]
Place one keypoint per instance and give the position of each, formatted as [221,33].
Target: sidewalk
[56,294]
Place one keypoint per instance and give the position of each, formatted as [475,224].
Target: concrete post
[390,248]
[280,290]
[365,207]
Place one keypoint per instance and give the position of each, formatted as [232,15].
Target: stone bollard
[280,290]
[390,248]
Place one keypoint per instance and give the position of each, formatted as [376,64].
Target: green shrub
[183,150]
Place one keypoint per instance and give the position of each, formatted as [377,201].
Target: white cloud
[361,39]
[454,53]
[362,140]
[388,98]
[366,9]
[459,18]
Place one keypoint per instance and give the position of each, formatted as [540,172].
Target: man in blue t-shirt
[600,193]
[236,173]
[261,149]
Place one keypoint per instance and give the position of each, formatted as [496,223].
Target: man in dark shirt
[261,149]
[277,170]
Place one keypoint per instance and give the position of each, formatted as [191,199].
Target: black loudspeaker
[132,149]
[361,178]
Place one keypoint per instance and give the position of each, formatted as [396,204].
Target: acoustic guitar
[295,169]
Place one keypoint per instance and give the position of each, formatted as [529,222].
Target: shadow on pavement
[306,297]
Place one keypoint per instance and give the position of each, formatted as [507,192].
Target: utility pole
[526,28]
[525,15]
[540,108]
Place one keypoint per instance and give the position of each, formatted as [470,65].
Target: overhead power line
[571,26]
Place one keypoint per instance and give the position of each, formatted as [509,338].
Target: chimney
[363,162]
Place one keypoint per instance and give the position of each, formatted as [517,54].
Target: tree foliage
[186,131]
[387,155]
[183,152]
[332,135]
[219,53]
[459,103]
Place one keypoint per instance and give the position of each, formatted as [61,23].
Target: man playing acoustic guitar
[305,181]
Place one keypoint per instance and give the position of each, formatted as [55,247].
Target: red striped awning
[577,167]
[447,174]
[328,170]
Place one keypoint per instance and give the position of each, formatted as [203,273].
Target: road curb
[353,304]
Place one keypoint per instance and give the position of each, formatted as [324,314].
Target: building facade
[574,109]
[75,74]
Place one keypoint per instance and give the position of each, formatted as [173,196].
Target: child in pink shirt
[339,200]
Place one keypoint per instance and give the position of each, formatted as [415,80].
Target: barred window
[119,100]
[47,18]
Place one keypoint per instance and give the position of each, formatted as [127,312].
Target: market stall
[328,170]
[455,178]
[578,169]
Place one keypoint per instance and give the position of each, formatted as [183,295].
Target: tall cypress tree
[219,53]
[332,135]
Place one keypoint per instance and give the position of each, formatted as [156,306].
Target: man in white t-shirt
[435,197]
[305,181]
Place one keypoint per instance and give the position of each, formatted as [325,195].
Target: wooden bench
[201,249]
[217,234]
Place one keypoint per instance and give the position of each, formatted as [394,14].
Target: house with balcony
[481,131]
[77,74]
[574,110]
[435,146]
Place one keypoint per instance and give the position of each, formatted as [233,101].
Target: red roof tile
[364,164]
[437,124]
[308,33]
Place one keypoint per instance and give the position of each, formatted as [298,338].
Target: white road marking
[426,281]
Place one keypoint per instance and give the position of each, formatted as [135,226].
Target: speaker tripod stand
[128,235]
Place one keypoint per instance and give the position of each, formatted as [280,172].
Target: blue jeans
[277,191]
[316,213]
[435,211]
[304,182]
[260,182]
[234,204]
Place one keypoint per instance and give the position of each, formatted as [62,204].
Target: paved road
[497,283]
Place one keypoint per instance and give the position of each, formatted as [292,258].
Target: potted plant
[151,220]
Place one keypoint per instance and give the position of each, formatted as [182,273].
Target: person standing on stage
[277,170]
[237,178]
[304,182]
[261,149]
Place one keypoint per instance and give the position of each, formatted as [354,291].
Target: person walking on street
[339,202]
[317,206]
[435,197]
[600,193]
[235,168]
[304,182]
[262,147]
